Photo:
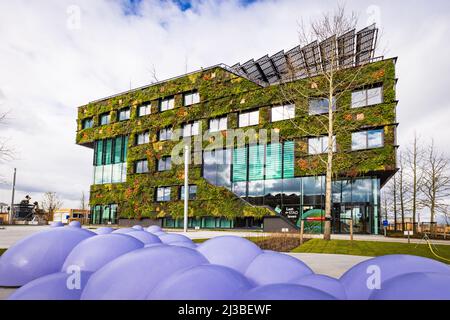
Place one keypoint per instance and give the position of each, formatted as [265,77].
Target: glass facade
[110,164]
[104,214]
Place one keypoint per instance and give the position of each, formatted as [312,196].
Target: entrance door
[358,214]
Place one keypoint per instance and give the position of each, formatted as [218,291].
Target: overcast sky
[56,55]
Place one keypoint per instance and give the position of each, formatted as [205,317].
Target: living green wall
[224,93]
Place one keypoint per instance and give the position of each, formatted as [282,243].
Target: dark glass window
[192,192]
[163,194]
[105,118]
[88,123]
[141,166]
[124,114]
[164,164]
[320,105]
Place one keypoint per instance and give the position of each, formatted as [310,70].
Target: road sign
[385,223]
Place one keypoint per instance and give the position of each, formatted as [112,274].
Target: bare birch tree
[414,158]
[435,186]
[331,80]
[83,204]
[50,203]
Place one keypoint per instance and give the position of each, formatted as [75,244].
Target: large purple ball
[154,229]
[186,244]
[52,287]
[75,224]
[204,282]
[230,251]
[39,254]
[124,230]
[144,236]
[104,230]
[415,286]
[56,224]
[173,237]
[135,274]
[356,279]
[275,267]
[324,283]
[284,291]
[137,227]
[93,253]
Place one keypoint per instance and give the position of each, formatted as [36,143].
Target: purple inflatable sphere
[144,236]
[137,227]
[104,230]
[53,287]
[275,267]
[75,224]
[38,255]
[154,229]
[93,253]
[204,282]
[135,274]
[230,251]
[186,244]
[283,291]
[56,224]
[355,280]
[415,286]
[173,237]
[124,230]
[323,283]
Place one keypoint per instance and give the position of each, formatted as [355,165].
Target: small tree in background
[83,203]
[50,203]
[414,160]
[435,186]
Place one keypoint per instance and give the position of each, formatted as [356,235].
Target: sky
[57,55]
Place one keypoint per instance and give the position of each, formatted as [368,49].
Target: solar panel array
[351,49]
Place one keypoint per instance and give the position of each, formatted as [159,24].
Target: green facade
[223,93]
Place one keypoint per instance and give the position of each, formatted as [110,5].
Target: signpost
[11,207]
[408,233]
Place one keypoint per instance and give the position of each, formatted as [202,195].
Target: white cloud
[48,69]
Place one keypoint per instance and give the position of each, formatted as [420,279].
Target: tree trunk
[329,173]
[402,203]
[414,198]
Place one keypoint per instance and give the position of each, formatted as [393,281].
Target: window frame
[166,130]
[167,164]
[191,94]
[365,102]
[163,189]
[146,106]
[137,163]
[145,134]
[127,111]
[247,113]
[283,113]
[366,133]
[91,122]
[191,126]
[170,103]
[311,100]
[105,115]
[323,148]
[191,195]
[219,121]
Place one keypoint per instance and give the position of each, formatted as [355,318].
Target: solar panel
[346,49]
[352,49]
[365,44]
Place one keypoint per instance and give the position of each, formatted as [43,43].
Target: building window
[192,192]
[105,118]
[87,123]
[249,118]
[191,129]
[367,139]
[218,124]
[163,194]
[191,98]
[144,110]
[110,160]
[167,104]
[319,145]
[143,137]
[367,97]
[165,134]
[141,166]
[283,112]
[164,164]
[320,106]
[124,114]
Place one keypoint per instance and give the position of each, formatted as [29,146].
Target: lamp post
[186,186]
[10,217]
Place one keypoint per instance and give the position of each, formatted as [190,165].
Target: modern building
[267,183]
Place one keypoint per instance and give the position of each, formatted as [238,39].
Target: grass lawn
[372,248]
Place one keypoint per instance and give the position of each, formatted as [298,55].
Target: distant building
[262,185]
[68,215]
[4,213]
